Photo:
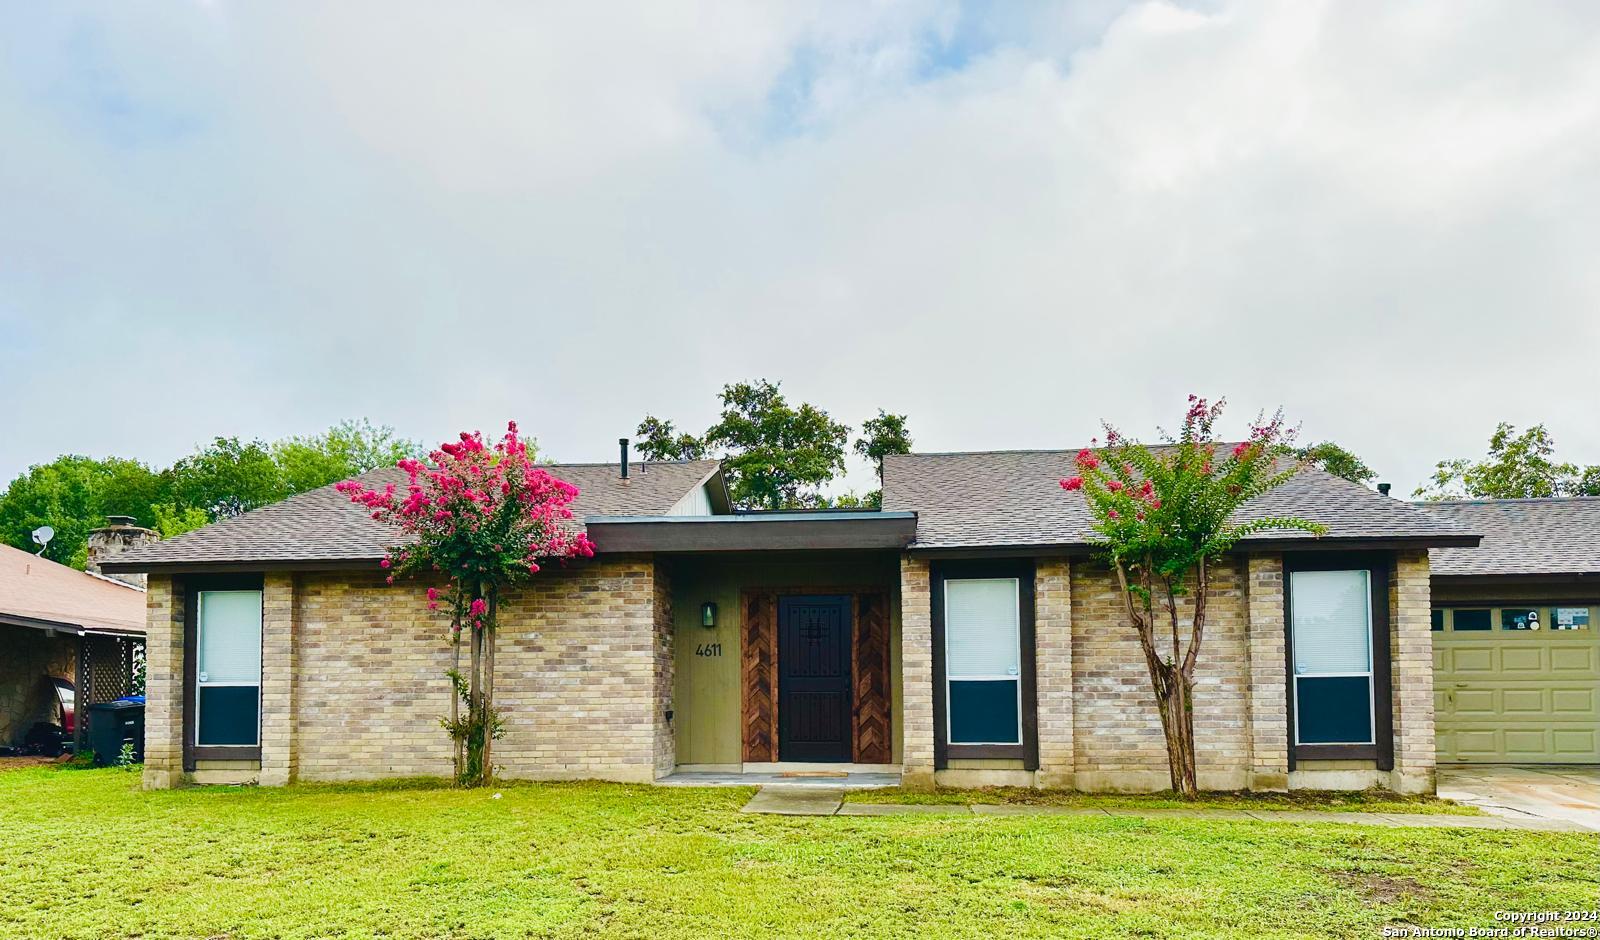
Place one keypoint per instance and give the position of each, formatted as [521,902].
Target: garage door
[1517,685]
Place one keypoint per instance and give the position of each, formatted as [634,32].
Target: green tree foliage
[659,440]
[1518,466]
[776,455]
[74,494]
[779,456]
[345,450]
[886,434]
[1337,461]
[227,477]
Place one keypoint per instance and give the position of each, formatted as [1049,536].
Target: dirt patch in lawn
[1380,888]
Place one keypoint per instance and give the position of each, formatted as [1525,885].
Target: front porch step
[850,781]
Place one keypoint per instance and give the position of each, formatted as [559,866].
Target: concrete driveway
[1549,791]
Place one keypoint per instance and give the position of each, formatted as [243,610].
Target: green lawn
[87,854]
[1345,801]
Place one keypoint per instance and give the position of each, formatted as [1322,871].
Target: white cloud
[1007,222]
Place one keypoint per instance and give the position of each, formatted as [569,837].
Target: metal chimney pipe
[622,443]
[1383,489]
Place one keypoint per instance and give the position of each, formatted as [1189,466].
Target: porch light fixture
[708,614]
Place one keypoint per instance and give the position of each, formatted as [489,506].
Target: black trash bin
[113,724]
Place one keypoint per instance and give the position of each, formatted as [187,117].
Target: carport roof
[37,592]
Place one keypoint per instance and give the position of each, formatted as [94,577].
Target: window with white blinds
[983,661]
[1331,629]
[228,668]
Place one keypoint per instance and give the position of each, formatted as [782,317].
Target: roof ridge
[1506,501]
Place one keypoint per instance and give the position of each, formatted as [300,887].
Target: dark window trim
[1028,750]
[192,586]
[1379,565]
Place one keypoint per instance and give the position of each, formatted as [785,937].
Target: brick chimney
[119,534]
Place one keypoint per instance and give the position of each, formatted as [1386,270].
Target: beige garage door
[1517,685]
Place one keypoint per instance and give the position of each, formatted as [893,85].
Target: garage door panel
[1575,743]
[1570,703]
[1532,660]
[1480,743]
[1525,743]
[1474,703]
[1521,703]
[1466,660]
[1581,659]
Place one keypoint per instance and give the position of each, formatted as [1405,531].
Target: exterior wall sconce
[708,614]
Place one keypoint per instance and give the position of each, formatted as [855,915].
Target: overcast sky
[1008,224]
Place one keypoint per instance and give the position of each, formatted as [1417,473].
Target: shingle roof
[322,525]
[1006,498]
[38,589]
[1522,536]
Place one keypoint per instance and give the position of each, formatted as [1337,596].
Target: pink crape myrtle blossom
[479,518]
[1162,516]
[475,513]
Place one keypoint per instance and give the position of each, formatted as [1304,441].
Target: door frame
[872,694]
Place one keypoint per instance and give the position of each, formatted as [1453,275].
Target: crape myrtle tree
[1164,515]
[479,519]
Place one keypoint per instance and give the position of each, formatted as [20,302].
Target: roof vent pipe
[622,443]
[1383,488]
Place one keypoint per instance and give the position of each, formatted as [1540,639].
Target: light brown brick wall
[163,683]
[278,759]
[664,737]
[370,686]
[1052,591]
[1269,708]
[576,679]
[1117,735]
[1411,673]
[916,673]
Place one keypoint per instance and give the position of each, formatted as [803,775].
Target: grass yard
[87,854]
[1343,801]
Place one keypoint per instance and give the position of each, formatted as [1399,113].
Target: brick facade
[163,683]
[916,673]
[1411,671]
[1269,702]
[1098,724]
[1118,744]
[353,678]
[1052,624]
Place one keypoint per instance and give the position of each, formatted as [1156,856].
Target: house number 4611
[708,649]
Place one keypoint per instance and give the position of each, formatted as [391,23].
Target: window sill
[225,752]
[984,752]
[1335,752]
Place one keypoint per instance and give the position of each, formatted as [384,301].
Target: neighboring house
[963,634]
[1516,636]
[58,622]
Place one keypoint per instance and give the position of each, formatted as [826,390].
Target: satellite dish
[42,537]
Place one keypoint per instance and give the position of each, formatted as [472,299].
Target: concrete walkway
[816,801]
[1570,793]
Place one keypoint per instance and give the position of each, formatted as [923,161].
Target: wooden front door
[814,691]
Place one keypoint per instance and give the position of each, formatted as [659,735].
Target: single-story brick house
[962,634]
[1516,641]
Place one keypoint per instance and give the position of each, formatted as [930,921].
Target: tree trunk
[459,755]
[474,764]
[488,685]
[1175,701]
[1172,679]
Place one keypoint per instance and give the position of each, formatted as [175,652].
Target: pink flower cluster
[495,495]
